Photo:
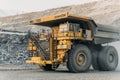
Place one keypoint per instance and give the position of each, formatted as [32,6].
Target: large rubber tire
[95,52]
[95,60]
[75,62]
[108,58]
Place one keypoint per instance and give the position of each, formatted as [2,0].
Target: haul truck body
[74,40]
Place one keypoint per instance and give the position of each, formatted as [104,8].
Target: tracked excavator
[76,41]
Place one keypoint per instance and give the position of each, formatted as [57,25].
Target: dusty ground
[61,74]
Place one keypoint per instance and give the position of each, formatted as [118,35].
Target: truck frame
[75,41]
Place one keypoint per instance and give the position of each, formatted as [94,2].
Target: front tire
[79,59]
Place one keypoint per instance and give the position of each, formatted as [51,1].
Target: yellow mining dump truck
[75,41]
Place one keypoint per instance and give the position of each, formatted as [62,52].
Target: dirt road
[61,74]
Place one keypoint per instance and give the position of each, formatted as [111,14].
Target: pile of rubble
[13,49]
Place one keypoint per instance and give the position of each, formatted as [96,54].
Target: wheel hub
[111,58]
[81,59]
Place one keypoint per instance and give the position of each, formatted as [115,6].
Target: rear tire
[95,60]
[79,59]
[108,58]
[95,52]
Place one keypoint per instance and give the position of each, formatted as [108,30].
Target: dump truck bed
[102,33]
[106,34]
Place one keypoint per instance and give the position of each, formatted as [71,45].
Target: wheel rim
[81,59]
[111,57]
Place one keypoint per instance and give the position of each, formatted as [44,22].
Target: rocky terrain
[13,48]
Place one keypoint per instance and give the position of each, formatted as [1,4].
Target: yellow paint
[51,48]
[57,17]
[36,60]
[61,53]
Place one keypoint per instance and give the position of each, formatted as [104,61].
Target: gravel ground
[18,67]
[60,74]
